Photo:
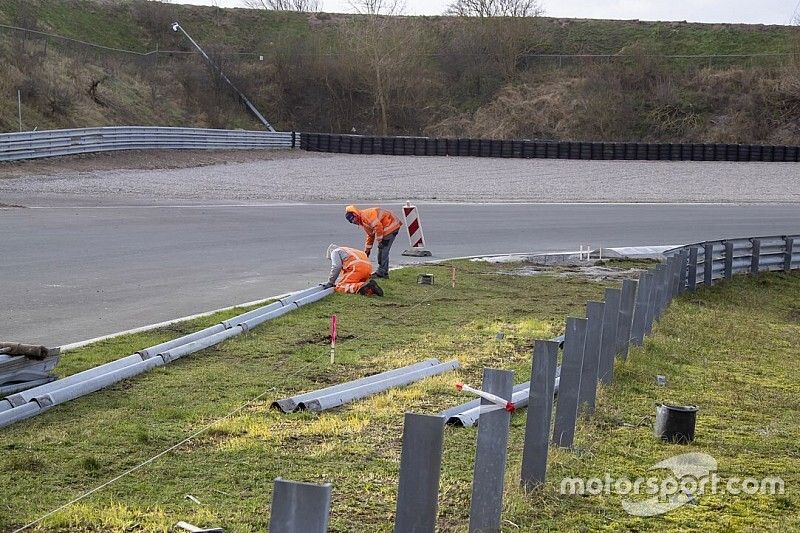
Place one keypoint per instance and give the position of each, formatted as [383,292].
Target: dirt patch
[591,272]
[140,160]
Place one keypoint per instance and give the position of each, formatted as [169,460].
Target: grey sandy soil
[259,176]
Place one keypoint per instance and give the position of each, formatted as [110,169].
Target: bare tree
[378,7]
[495,8]
[303,6]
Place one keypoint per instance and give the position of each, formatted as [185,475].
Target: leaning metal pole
[175,27]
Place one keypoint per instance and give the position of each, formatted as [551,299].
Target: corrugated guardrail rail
[534,149]
[33,401]
[39,144]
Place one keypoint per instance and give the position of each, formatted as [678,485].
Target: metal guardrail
[738,256]
[50,143]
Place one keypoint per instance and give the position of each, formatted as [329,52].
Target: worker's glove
[368,251]
[326,285]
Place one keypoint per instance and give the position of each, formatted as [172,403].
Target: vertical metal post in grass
[590,368]
[755,256]
[675,276]
[300,507]
[609,340]
[639,323]
[691,285]
[540,411]
[787,258]
[490,456]
[420,467]
[19,108]
[625,320]
[728,260]
[655,297]
[708,264]
[682,271]
[569,384]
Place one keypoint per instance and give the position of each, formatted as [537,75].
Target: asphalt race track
[73,273]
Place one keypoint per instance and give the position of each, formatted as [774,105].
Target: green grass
[725,349]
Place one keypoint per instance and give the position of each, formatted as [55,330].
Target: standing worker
[380,225]
[355,269]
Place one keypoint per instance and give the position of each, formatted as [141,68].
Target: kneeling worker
[380,225]
[355,269]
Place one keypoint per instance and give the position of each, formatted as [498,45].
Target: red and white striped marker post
[497,400]
[333,337]
[414,227]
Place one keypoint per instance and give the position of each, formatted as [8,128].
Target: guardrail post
[590,368]
[625,322]
[639,324]
[692,283]
[420,467]
[684,255]
[728,260]
[300,507]
[708,264]
[609,339]
[787,258]
[656,291]
[540,411]
[490,456]
[675,278]
[570,382]
[755,256]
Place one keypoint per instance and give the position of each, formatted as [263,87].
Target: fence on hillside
[535,149]
[591,346]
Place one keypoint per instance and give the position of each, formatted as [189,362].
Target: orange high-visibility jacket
[356,269]
[377,222]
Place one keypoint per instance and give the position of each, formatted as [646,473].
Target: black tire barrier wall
[426,146]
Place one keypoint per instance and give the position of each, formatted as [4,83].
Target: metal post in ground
[655,297]
[728,260]
[19,108]
[420,467]
[787,258]
[684,255]
[639,323]
[608,342]
[490,456]
[570,382]
[540,411]
[755,256]
[708,264]
[300,507]
[591,358]
[625,321]
[692,283]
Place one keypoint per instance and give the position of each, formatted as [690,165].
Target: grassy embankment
[730,349]
[433,75]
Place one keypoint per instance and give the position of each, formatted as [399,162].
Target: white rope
[145,463]
[196,433]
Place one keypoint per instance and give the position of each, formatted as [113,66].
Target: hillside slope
[512,78]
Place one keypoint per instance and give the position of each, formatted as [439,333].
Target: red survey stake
[497,400]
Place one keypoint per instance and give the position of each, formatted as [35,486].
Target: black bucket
[675,423]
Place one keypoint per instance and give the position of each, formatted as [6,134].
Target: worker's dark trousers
[383,253]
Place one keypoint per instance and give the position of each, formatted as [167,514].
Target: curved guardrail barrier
[711,261]
[529,149]
[49,143]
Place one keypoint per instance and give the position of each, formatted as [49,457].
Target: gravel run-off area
[258,176]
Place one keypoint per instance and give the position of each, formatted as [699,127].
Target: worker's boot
[370,288]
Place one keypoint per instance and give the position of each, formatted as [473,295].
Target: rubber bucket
[675,423]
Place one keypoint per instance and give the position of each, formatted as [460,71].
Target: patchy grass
[724,349]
